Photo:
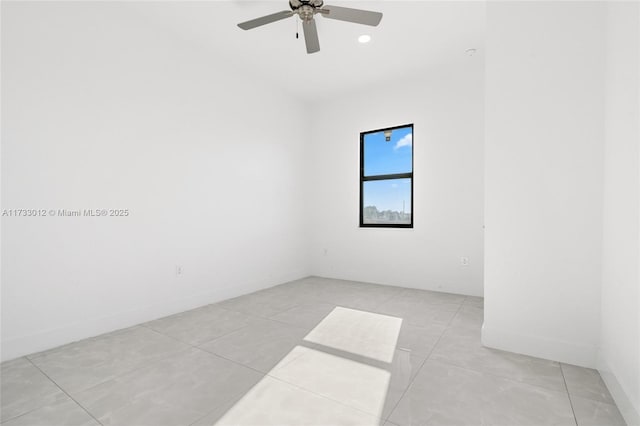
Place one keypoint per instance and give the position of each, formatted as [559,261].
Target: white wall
[101,112]
[619,361]
[543,192]
[446,107]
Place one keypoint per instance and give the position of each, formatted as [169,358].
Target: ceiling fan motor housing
[295,4]
[305,8]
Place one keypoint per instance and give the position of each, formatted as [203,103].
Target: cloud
[405,141]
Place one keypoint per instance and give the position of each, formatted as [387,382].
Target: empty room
[291,212]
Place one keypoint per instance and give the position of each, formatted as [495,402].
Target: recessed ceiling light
[364,38]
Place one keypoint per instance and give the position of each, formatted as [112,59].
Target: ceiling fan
[306,9]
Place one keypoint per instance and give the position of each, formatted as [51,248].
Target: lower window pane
[387,201]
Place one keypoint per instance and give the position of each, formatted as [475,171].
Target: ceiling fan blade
[258,22]
[311,35]
[357,16]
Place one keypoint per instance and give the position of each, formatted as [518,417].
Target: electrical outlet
[464,261]
[179,270]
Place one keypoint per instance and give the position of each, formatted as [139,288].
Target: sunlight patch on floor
[356,384]
[358,332]
[274,403]
[311,386]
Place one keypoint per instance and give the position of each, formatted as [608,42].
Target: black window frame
[364,179]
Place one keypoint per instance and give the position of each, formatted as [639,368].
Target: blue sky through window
[383,158]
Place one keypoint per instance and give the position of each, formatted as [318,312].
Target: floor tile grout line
[193,345]
[148,364]
[175,339]
[335,305]
[254,315]
[199,345]
[444,331]
[510,379]
[564,379]
[35,356]
[66,393]
[270,318]
[219,306]
[430,303]
[393,296]
[213,411]
[162,359]
[293,325]
[46,352]
[26,412]
[201,349]
[236,398]
[404,392]
[280,366]
[306,302]
[422,364]
[594,400]
[230,360]
[588,397]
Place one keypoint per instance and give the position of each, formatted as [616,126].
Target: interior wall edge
[540,347]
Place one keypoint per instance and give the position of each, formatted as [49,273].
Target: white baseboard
[540,347]
[47,339]
[428,286]
[629,411]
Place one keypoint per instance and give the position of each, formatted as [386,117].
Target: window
[386,177]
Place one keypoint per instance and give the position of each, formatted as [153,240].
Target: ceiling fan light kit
[306,10]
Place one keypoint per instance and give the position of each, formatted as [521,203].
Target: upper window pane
[382,157]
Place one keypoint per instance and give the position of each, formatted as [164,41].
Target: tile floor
[314,351]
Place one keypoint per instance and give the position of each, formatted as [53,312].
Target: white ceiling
[412,37]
